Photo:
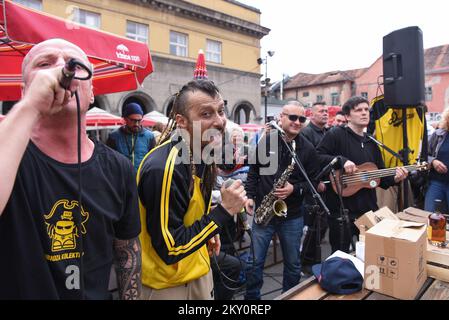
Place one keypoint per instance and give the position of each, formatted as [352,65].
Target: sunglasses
[136,121]
[294,117]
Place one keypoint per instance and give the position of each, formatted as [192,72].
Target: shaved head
[292,118]
[292,106]
[56,43]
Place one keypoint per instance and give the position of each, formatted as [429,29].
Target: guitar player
[354,148]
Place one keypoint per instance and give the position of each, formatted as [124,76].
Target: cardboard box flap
[409,224]
[414,214]
[370,218]
[383,228]
[410,231]
[408,217]
[417,212]
[384,213]
[404,230]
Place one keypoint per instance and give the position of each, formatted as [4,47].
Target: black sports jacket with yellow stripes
[176,223]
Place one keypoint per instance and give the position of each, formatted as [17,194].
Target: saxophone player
[260,187]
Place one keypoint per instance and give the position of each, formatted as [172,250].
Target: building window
[319,98]
[178,44]
[428,93]
[335,99]
[87,18]
[365,95]
[305,94]
[137,31]
[213,51]
[33,4]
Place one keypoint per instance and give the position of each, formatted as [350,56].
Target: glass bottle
[437,225]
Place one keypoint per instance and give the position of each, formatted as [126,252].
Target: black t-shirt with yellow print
[51,250]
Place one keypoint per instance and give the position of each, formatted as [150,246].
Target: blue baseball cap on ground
[338,275]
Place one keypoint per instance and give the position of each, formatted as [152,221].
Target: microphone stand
[317,213]
[316,197]
[403,159]
[343,219]
[395,154]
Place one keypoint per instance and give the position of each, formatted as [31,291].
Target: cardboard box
[415,215]
[370,219]
[437,258]
[395,255]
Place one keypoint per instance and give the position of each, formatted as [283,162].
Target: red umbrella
[97,117]
[147,122]
[153,117]
[200,71]
[251,127]
[120,64]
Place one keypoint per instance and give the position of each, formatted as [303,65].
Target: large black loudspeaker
[403,67]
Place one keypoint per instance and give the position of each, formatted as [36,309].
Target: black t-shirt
[46,244]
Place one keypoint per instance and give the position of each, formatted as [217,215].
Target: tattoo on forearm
[128,266]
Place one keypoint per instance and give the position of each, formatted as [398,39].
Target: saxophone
[271,205]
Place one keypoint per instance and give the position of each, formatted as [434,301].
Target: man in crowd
[314,132]
[52,246]
[340,119]
[175,183]
[259,185]
[131,139]
[317,126]
[354,148]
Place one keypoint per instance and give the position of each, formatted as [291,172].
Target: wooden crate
[438,262]
[437,258]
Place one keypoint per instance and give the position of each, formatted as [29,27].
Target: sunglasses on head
[294,117]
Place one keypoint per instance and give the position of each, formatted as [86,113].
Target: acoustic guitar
[367,175]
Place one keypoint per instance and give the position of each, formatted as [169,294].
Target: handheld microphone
[327,168]
[274,125]
[242,214]
[68,73]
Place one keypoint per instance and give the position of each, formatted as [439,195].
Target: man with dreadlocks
[175,185]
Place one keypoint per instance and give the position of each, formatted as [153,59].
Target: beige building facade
[227,31]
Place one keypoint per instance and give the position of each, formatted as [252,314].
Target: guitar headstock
[422,166]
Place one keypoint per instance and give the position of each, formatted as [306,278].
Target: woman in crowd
[439,162]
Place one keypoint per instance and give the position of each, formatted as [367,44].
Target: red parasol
[200,71]
[97,117]
[251,127]
[120,64]
[156,116]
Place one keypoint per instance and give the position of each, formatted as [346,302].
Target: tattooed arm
[128,266]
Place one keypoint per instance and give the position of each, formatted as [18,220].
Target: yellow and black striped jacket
[176,223]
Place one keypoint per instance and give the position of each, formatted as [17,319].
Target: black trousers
[226,275]
[335,231]
[309,255]
[315,220]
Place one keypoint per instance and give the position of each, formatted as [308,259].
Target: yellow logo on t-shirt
[61,224]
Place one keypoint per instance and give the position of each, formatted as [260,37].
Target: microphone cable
[221,274]
[69,73]
[240,216]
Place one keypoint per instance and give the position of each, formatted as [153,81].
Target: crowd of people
[165,211]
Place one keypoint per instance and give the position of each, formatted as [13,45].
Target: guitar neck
[387,172]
